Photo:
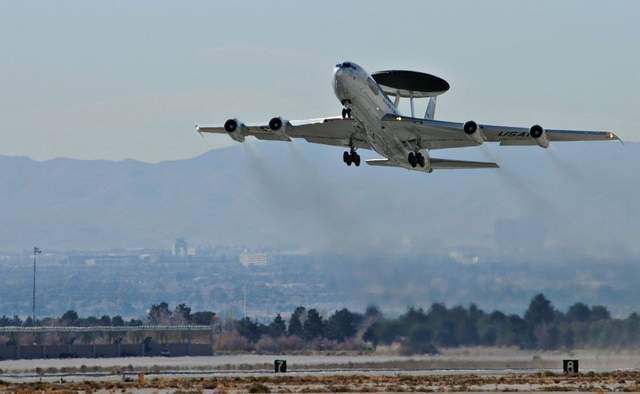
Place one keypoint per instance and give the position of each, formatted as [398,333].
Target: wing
[328,131]
[507,135]
[436,134]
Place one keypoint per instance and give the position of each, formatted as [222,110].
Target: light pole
[36,252]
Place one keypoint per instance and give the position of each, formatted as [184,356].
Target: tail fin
[431,108]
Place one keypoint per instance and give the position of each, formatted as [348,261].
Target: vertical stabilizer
[431,108]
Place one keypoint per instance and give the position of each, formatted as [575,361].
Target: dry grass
[609,381]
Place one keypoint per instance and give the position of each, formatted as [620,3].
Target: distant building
[247,259]
[145,257]
[180,248]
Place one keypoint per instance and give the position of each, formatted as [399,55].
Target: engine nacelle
[235,129]
[278,125]
[539,135]
[427,162]
[472,131]
[279,128]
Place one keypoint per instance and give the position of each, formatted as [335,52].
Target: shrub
[267,344]
[232,342]
[290,343]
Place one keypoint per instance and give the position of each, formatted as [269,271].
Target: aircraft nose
[338,82]
[338,73]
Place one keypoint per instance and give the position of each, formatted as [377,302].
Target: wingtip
[199,131]
[614,136]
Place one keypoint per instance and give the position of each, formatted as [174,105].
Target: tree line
[541,326]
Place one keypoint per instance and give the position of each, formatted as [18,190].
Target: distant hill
[573,200]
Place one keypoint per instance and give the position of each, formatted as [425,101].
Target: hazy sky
[126,79]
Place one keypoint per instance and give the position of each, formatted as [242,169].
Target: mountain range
[571,201]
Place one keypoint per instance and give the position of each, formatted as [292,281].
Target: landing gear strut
[346,113]
[416,159]
[351,157]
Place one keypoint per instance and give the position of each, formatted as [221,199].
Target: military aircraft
[371,120]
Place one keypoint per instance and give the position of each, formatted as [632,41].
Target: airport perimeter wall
[13,352]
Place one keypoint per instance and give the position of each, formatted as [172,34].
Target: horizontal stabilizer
[436,164]
[382,162]
[443,164]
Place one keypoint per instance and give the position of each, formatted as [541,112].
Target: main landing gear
[351,157]
[416,159]
[346,113]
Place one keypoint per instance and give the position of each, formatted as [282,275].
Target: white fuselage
[357,91]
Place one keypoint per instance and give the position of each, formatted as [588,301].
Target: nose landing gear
[351,157]
[416,159]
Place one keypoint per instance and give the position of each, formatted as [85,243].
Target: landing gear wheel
[346,113]
[412,159]
[420,159]
[356,159]
[351,158]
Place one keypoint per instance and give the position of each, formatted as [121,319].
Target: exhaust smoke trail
[579,178]
[271,191]
[565,168]
[516,183]
[302,202]
[335,218]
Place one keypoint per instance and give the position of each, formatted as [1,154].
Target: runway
[449,359]
[459,369]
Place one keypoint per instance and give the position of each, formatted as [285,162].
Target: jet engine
[278,124]
[472,131]
[537,133]
[235,129]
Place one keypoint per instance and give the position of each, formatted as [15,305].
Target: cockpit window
[346,65]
